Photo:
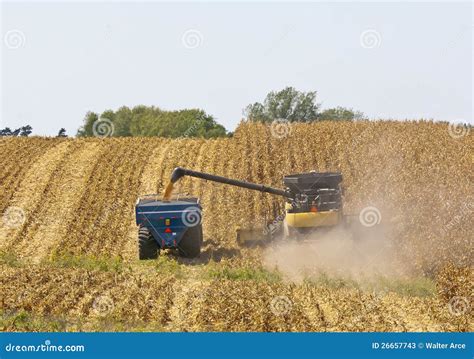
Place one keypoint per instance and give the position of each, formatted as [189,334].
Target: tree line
[287,104]
[25,131]
[296,106]
[152,121]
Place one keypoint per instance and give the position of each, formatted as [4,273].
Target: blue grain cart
[169,224]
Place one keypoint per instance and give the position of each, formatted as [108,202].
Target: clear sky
[390,60]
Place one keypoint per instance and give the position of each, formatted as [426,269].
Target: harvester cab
[313,200]
[316,201]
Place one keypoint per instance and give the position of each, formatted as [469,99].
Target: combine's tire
[190,244]
[147,246]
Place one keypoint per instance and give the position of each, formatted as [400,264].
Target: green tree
[340,114]
[23,131]
[152,121]
[289,104]
[86,129]
[5,132]
[62,132]
[122,120]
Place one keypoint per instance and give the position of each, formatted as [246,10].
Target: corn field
[68,235]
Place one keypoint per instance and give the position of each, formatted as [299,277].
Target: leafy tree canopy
[289,104]
[23,131]
[293,105]
[152,121]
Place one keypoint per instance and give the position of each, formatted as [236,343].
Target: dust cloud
[354,252]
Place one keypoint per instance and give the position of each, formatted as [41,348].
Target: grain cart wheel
[190,244]
[147,246]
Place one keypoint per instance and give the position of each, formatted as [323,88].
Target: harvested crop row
[13,171]
[57,206]
[109,202]
[22,209]
[219,305]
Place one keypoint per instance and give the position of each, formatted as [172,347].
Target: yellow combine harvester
[313,199]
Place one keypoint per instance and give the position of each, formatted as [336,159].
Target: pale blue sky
[76,57]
